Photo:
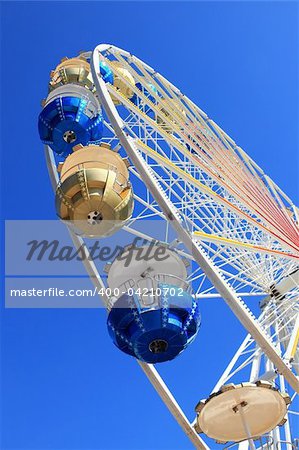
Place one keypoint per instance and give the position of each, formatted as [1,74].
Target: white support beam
[148,369]
[293,342]
[172,405]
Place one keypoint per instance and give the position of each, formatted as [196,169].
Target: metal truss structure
[219,210]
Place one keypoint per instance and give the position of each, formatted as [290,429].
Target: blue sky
[64,385]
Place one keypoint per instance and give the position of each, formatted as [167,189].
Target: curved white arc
[149,370]
[236,304]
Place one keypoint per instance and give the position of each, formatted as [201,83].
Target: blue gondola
[66,121]
[158,334]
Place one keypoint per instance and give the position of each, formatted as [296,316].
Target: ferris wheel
[125,147]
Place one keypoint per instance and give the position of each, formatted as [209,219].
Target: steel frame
[167,173]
